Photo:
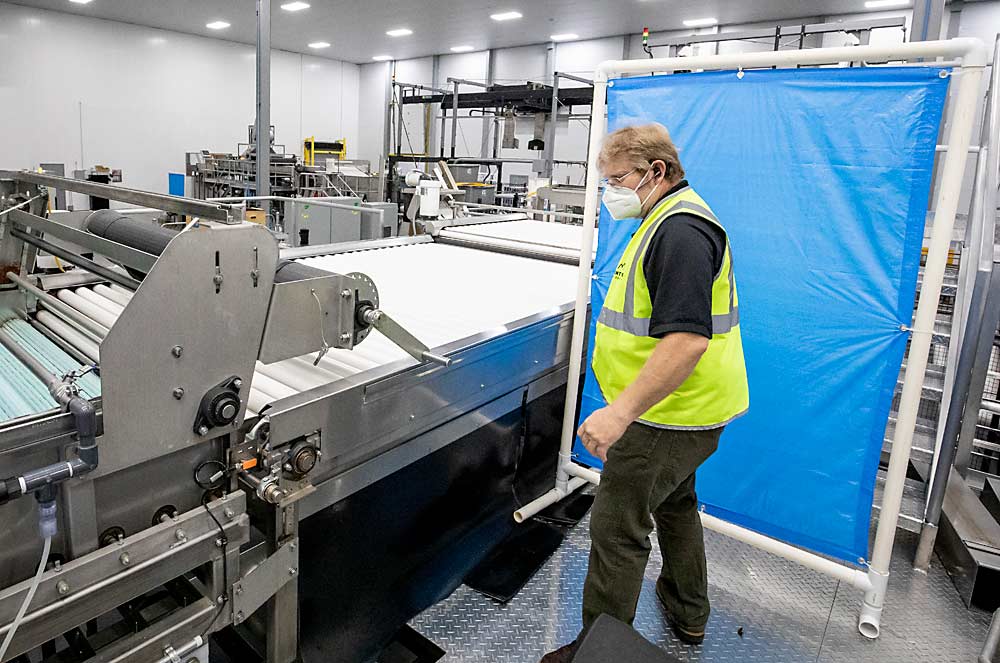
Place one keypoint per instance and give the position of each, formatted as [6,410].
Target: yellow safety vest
[717,391]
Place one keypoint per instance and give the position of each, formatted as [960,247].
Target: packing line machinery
[233,390]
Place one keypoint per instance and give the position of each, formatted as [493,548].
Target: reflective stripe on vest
[626,320]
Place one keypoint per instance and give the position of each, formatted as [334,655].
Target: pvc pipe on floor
[586,473]
[853,577]
[547,500]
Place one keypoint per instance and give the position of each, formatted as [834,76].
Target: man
[669,361]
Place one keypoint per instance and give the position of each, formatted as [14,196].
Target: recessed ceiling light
[505,16]
[217,25]
[566,36]
[295,6]
[80,2]
[700,22]
[381,58]
[399,32]
[462,49]
[882,4]
[319,44]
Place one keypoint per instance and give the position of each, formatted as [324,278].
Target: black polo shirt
[680,265]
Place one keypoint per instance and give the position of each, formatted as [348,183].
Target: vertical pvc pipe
[580,321]
[937,256]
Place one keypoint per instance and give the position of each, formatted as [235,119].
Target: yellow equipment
[312,148]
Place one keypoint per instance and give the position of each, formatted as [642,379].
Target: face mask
[623,202]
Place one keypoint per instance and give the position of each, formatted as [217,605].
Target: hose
[46,547]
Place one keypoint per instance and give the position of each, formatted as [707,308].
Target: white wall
[82,91]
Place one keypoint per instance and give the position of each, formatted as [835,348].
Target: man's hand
[602,429]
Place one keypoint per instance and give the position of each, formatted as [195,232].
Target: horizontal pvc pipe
[853,577]
[547,500]
[810,560]
[575,470]
[974,149]
[972,52]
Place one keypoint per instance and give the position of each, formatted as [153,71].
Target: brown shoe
[564,654]
[687,634]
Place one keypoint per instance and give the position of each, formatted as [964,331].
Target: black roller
[117,227]
[289,270]
[153,239]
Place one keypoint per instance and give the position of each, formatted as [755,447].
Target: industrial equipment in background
[322,199]
[222,174]
[216,448]
[501,108]
[314,150]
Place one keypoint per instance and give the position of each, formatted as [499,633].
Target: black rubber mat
[569,511]
[408,646]
[612,641]
[512,562]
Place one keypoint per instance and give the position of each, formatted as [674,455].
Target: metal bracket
[264,581]
[305,316]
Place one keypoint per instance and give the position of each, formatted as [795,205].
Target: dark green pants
[649,477]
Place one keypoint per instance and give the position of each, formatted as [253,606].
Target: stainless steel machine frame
[207,308]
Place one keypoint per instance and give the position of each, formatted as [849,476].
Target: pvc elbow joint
[85,417]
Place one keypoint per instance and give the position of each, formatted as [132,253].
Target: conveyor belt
[440,293]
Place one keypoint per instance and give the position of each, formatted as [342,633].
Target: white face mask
[623,202]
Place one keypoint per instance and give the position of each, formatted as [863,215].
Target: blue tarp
[821,177]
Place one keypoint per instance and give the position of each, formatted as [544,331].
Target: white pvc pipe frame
[570,476]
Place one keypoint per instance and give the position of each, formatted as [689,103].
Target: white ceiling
[356,28]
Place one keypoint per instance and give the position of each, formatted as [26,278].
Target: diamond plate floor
[786,612]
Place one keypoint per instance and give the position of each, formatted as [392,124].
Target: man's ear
[663,169]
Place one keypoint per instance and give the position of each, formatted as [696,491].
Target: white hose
[27,599]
